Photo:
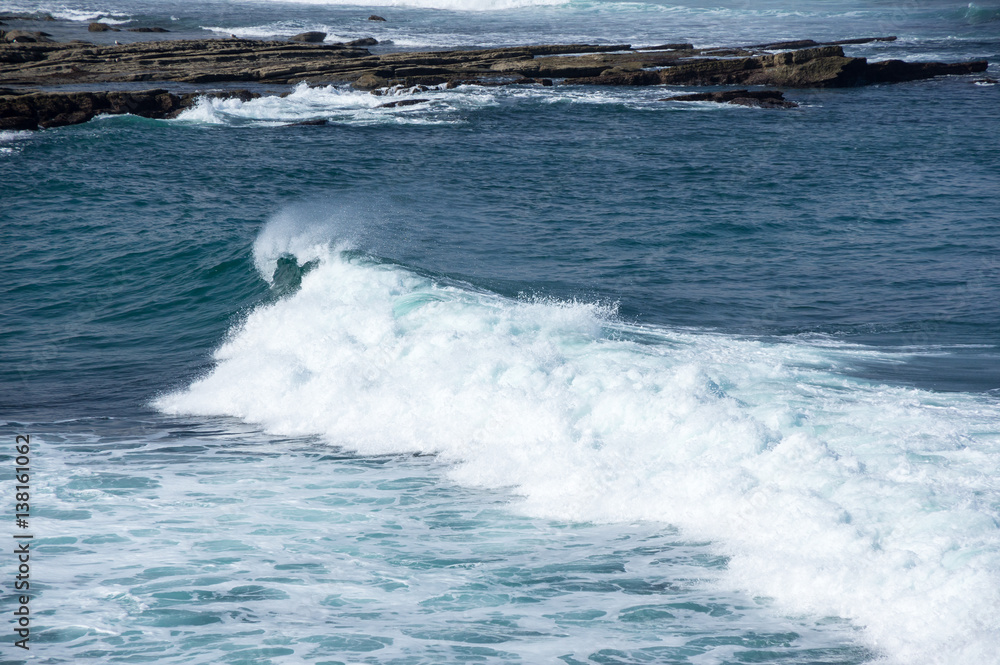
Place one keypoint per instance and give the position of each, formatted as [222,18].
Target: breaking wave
[832,495]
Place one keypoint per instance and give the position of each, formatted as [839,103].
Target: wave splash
[830,495]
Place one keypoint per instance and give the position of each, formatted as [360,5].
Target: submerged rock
[28,17]
[288,274]
[319,122]
[375,17]
[668,47]
[768,99]
[101,27]
[25,37]
[401,102]
[154,29]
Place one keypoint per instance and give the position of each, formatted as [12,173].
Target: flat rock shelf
[40,64]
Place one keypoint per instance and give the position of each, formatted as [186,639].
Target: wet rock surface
[768,99]
[799,64]
[42,110]
[40,63]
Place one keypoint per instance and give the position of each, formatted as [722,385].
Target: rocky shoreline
[42,63]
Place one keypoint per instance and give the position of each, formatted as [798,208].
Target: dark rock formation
[310,123]
[28,17]
[401,102]
[364,41]
[370,82]
[25,37]
[101,27]
[498,82]
[190,61]
[54,109]
[374,17]
[282,62]
[668,47]
[768,99]
[309,37]
[819,67]
[148,30]
[212,60]
[898,71]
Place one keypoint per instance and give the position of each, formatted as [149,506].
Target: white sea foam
[67,11]
[10,141]
[282,29]
[345,105]
[339,104]
[833,496]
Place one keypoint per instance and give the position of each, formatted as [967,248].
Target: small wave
[338,104]
[976,14]
[10,139]
[345,105]
[68,12]
[280,29]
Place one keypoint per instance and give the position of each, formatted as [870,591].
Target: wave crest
[831,495]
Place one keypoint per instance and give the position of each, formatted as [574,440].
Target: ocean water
[517,375]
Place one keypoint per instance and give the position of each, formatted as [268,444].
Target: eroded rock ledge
[798,64]
[25,111]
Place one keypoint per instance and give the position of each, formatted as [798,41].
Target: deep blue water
[573,375]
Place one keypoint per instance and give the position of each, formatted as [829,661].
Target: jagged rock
[364,41]
[34,110]
[769,99]
[374,17]
[401,102]
[370,82]
[101,27]
[824,66]
[148,30]
[898,71]
[24,36]
[18,122]
[309,37]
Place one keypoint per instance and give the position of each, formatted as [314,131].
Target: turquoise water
[569,375]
